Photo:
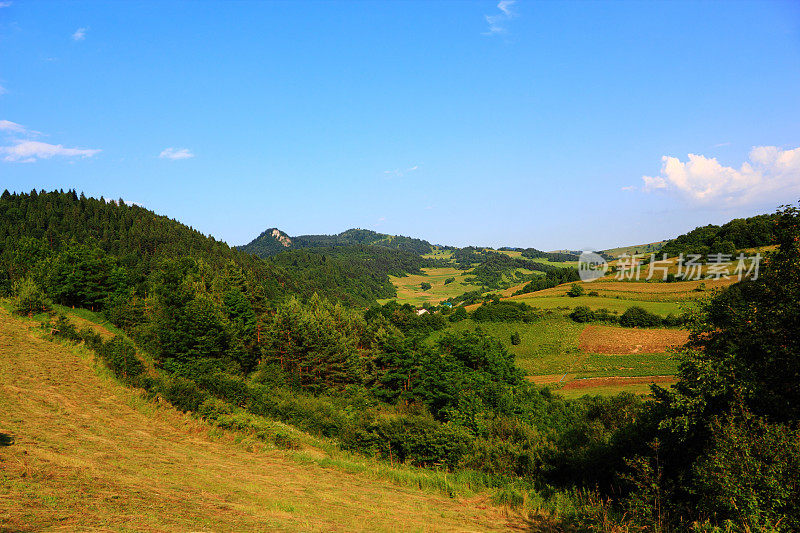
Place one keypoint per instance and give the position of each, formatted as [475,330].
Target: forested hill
[735,235]
[273,241]
[39,226]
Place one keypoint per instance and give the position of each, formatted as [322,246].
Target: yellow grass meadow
[87,454]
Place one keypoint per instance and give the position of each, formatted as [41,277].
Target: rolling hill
[79,451]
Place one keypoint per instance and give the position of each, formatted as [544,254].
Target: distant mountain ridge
[273,241]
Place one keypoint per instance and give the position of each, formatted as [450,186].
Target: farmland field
[550,353]
[409,288]
[535,299]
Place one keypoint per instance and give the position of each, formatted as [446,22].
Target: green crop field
[596,302]
[550,346]
[409,288]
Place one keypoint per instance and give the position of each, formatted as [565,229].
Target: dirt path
[590,383]
[84,459]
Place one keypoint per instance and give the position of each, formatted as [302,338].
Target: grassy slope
[409,288]
[91,454]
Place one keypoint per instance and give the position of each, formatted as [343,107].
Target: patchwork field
[552,353]
[409,288]
[566,303]
[78,452]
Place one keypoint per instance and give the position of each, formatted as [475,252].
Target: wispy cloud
[4,4]
[7,125]
[399,173]
[497,22]
[23,149]
[720,145]
[80,34]
[30,151]
[771,174]
[176,154]
[628,188]
[2,90]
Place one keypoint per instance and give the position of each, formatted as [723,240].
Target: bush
[752,475]
[582,314]
[120,356]
[448,281]
[459,314]
[415,439]
[29,299]
[516,340]
[636,317]
[183,394]
[575,290]
[425,286]
[64,328]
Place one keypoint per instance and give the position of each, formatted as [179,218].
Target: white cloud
[80,34]
[176,153]
[399,172]
[5,4]
[771,174]
[628,188]
[2,90]
[30,151]
[497,22]
[7,125]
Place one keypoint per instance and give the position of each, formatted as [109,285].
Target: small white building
[421,312]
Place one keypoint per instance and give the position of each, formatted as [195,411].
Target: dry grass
[616,340]
[89,454]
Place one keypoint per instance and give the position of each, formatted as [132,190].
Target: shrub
[29,299]
[425,286]
[582,314]
[120,356]
[635,316]
[575,290]
[66,329]
[415,439]
[448,281]
[183,394]
[459,314]
[752,475]
[516,340]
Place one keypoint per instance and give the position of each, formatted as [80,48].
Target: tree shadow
[6,439]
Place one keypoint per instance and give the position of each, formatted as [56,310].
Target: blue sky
[545,124]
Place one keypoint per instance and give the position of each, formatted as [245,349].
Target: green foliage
[273,241]
[29,299]
[636,317]
[575,290]
[751,475]
[318,345]
[405,318]
[458,314]
[551,278]
[516,340]
[120,356]
[583,314]
[735,235]
[425,286]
